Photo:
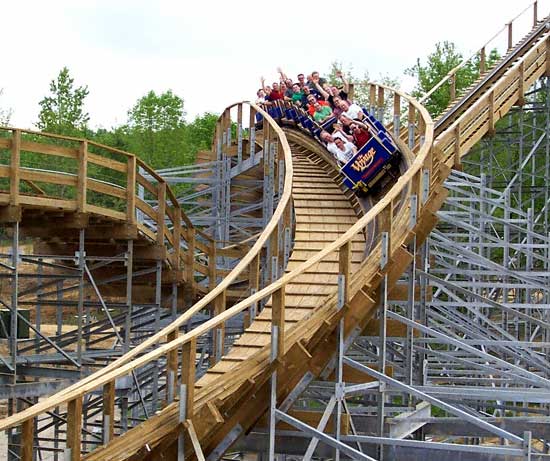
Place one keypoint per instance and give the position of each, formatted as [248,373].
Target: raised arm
[340,75]
[320,89]
[284,78]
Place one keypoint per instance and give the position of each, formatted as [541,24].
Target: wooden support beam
[312,418]
[400,292]
[188,355]
[456,153]
[195,440]
[131,190]
[353,376]
[82,179]
[10,214]
[190,263]
[411,115]
[219,331]
[27,440]
[345,269]
[510,36]
[547,57]
[482,61]
[452,83]
[212,269]
[15,173]
[177,233]
[254,281]
[396,113]
[108,411]
[171,368]
[351,92]
[278,318]
[380,100]
[386,223]
[161,213]
[372,95]
[396,105]
[491,129]
[521,84]
[74,427]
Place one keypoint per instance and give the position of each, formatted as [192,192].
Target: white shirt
[342,156]
[353,112]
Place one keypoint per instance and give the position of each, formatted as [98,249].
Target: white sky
[212,53]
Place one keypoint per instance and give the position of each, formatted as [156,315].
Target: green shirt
[297,97]
[323,113]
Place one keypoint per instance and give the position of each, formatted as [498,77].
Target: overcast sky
[212,53]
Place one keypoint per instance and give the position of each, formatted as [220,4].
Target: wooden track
[302,303]
[322,213]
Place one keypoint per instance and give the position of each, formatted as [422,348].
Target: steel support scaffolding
[458,368]
[58,326]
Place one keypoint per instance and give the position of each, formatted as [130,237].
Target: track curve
[234,393]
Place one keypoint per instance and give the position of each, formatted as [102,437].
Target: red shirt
[361,137]
[275,95]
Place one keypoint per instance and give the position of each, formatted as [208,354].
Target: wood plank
[48,149]
[82,178]
[74,427]
[195,441]
[109,163]
[50,177]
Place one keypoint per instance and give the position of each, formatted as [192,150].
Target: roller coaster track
[343,260]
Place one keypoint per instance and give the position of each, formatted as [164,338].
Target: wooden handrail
[86,158]
[507,28]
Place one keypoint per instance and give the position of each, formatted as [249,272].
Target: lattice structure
[466,353]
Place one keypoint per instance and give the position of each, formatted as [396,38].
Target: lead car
[378,157]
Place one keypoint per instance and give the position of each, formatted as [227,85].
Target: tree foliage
[156,129]
[199,133]
[438,64]
[63,111]
[156,113]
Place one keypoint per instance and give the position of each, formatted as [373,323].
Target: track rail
[237,396]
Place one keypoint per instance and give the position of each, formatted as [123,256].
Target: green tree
[63,111]
[5,114]
[200,133]
[438,64]
[156,129]
[156,113]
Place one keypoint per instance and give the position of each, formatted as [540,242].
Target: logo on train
[362,162]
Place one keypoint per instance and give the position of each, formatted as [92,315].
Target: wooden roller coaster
[316,274]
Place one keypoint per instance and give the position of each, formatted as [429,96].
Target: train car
[371,163]
[378,157]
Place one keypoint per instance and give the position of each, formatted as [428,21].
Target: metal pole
[383,309]
[81,261]
[129,275]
